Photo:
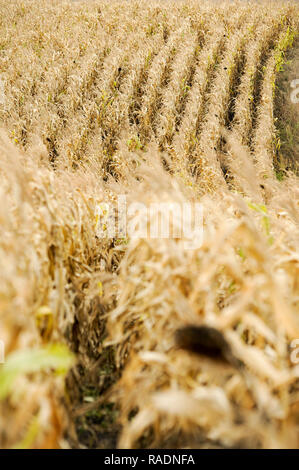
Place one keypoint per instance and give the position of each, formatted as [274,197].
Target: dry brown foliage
[167,102]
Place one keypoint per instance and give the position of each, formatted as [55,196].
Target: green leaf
[30,435]
[54,356]
[258,207]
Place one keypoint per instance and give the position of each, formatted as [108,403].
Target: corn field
[163,102]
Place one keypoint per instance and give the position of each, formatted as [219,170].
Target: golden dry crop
[172,102]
